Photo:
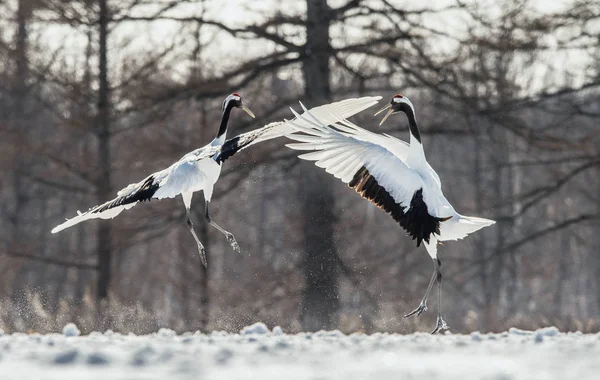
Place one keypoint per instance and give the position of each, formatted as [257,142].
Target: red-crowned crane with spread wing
[393,175]
[199,170]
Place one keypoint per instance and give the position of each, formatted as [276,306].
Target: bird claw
[234,244]
[418,311]
[440,325]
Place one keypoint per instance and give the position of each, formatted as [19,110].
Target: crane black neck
[412,122]
[225,119]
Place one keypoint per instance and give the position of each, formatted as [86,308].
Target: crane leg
[228,235]
[436,277]
[423,305]
[190,226]
[440,323]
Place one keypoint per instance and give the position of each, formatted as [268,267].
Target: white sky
[137,38]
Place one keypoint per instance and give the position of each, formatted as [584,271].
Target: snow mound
[166,333]
[257,328]
[257,353]
[548,331]
[71,329]
[516,331]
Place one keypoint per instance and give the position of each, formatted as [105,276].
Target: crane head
[399,103]
[235,100]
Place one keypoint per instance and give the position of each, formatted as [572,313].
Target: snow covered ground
[257,353]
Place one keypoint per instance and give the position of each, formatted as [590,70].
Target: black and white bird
[199,170]
[393,175]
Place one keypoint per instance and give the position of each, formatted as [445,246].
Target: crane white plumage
[393,175]
[199,170]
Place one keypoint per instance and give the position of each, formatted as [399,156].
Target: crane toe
[234,244]
[440,325]
[418,311]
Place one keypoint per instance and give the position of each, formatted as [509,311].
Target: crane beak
[247,110]
[387,114]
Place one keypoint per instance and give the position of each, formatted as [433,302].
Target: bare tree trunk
[19,113]
[103,185]
[17,116]
[595,244]
[205,238]
[516,188]
[320,303]
[480,241]
[200,278]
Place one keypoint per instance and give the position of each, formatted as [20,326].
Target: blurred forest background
[96,94]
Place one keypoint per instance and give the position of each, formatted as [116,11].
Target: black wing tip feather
[144,193]
[239,142]
[416,220]
[229,148]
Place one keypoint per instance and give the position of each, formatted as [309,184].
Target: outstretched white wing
[126,199]
[355,157]
[343,151]
[186,175]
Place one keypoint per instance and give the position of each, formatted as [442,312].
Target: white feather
[460,227]
[390,171]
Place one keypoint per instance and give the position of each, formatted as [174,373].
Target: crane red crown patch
[236,94]
[398,96]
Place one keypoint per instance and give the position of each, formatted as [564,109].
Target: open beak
[247,110]
[387,114]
